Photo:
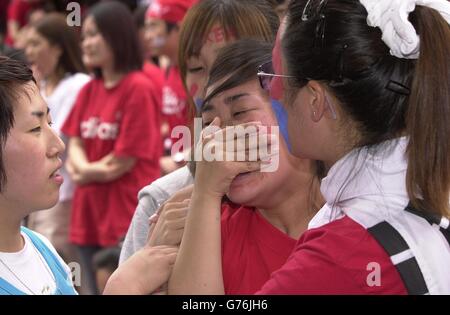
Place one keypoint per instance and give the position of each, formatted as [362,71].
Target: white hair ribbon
[391,16]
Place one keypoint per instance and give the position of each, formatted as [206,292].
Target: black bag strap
[401,256]
[433,219]
[400,253]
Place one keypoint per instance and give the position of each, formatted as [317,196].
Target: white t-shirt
[29,266]
[61,102]
[151,197]
[369,186]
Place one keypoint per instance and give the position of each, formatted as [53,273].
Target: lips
[56,170]
[241,178]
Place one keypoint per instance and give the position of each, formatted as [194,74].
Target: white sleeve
[150,199]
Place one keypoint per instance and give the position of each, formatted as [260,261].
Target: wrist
[205,198]
[116,286]
[81,167]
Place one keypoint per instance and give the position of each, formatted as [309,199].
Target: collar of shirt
[367,181]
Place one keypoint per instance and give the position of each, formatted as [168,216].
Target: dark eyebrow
[39,113]
[234,98]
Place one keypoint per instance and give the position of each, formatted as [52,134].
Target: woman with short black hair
[30,179]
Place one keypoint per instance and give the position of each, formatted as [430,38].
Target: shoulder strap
[401,256]
[63,283]
[400,253]
[442,222]
[8,289]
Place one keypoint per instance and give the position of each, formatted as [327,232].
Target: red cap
[172,11]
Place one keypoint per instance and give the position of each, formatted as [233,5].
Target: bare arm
[198,268]
[107,169]
[110,168]
[142,273]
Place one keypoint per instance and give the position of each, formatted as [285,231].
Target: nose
[56,146]
[84,43]
[147,34]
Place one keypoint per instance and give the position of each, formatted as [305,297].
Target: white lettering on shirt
[93,128]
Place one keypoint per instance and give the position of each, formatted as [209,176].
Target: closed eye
[240,113]
[37,129]
[195,70]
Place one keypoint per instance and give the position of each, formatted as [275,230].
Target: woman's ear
[316,100]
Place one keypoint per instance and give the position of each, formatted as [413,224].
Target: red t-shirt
[252,249]
[122,120]
[174,101]
[156,76]
[337,258]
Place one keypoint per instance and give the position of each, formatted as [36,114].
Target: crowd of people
[348,99]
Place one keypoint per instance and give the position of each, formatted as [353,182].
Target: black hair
[239,61]
[139,16]
[385,96]
[14,75]
[115,22]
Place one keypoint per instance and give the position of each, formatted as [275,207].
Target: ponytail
[428,116]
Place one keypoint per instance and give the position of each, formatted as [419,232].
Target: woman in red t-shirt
[260,219]
[113,130]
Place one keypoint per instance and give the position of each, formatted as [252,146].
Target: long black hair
[14,75]
[385,96]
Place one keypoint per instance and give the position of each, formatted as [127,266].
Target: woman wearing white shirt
[53,51]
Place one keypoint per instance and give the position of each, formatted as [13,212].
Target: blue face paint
[282,119]
[198,104]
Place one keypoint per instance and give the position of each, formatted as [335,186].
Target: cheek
[103,53]
[264,118]
[192,85]
[49,59]
[100,47]
[196,86]
[297,128]
[156,30]
[24,168]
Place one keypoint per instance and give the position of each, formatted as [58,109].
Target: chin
[245,189]
[47,203]
[90,63]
